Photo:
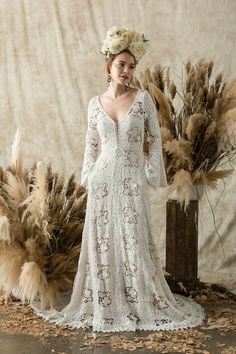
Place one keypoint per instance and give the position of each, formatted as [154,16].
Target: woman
[119,285]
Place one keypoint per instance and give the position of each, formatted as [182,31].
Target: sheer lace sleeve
[91,145]
[154,167]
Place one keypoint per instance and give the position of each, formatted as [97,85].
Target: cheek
[116,71]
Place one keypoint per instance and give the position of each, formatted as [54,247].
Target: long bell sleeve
[91,145]
[154,166]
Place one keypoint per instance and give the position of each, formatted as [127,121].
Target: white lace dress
[120,285]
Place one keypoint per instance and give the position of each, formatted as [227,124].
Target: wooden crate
[182,241]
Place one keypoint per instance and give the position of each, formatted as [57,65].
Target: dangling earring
[109,79]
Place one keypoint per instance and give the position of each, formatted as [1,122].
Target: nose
[126,69]
[126,72]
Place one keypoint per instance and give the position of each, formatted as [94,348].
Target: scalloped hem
[96,327]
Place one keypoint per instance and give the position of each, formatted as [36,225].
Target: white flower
[137,48]
[117,46]
[112,31]
[105,46]
[119,39]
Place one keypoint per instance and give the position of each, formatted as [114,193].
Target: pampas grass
[15,188]
[16,154]
[41,224]
[227,99]
[4,229]
[36,206]
[12,258]
[166,135]
[182,184]
[196,122]
[180,152]
[197,116]
[226,127]
[209,179]
[32,281]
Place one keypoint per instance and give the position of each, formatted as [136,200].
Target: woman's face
[122,68]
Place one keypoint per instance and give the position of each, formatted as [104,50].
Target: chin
[121,83]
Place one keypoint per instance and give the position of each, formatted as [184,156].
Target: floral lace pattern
[120,285]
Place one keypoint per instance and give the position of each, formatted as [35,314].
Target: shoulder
[140,92]
[93,99]
[91,107]
[147,98]
[92,102]
[147,95]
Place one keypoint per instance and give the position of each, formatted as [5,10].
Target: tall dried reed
[41,223]
[197,116]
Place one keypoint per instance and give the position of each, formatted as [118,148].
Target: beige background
[51,66]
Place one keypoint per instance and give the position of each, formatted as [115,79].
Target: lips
[124,77]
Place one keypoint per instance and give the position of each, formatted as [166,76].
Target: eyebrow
[122,61]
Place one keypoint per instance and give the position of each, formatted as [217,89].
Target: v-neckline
[130,107]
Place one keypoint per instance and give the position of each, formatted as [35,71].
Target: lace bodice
[125,135]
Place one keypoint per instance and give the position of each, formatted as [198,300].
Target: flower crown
[118,39]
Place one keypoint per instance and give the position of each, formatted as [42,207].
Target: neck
[116,90]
